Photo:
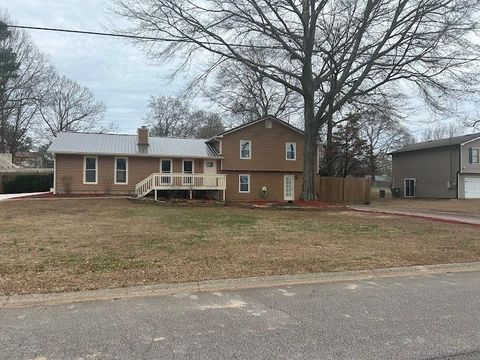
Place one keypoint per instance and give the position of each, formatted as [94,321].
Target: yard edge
[51,299]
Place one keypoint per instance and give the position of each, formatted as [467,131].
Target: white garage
[472,187]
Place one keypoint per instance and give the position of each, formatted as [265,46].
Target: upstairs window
[474,156]
[245,149]
[90,170]
[291,150]
[121,170]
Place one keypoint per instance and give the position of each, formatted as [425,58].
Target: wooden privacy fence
[338,190]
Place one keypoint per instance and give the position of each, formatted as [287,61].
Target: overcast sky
[116,72]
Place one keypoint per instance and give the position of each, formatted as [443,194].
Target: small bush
[28,183]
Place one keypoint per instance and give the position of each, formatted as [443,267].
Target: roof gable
[269,117]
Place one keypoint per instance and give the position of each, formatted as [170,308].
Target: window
[166,166]
[291,150]
[474,156]
[90,170]
[245,149]
[244,183]
[121,170]
[188,168]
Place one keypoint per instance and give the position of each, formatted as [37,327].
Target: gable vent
[268,124]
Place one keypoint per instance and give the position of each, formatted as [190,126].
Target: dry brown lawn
[460,206]
[58,245]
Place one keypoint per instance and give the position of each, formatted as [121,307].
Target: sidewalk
[454,218]
[20,301]
[16,196]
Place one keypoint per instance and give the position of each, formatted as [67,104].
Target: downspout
[54,174]
[459,169]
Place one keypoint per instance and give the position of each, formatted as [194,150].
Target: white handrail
[162,181]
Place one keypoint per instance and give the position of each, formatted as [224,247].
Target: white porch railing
[158,181]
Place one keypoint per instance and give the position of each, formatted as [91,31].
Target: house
[28,159]
[259,160]
[445,168]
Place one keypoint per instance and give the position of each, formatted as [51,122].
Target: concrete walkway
[448,217]
[16,196]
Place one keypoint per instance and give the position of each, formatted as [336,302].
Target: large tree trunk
[329,149]
[309,151]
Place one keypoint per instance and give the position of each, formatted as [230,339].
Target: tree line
[36,102]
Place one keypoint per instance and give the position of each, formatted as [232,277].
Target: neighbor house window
[244,183]
[245,149]
[291,151]
[90,170]
[474,156]
[121,170]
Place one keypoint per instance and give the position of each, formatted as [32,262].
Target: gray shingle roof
[457,140]
[115,144]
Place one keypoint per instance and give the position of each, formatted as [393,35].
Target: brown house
[262,160]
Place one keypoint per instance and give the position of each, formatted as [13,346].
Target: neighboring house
[27,159]
[259,160]
[446,168]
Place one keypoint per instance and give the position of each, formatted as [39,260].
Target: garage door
[472,188]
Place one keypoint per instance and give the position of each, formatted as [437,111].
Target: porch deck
[161,181]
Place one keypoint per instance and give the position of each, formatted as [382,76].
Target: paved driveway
[416,317]
[454,206]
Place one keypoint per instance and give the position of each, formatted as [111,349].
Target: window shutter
[470,155]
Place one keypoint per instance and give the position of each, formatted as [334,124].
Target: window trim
[240,183]
[472,149]
[85,157]
[294,150]
[171,166]
[126,171]
[250,152]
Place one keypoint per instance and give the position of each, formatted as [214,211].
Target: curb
[439,218]
[21,301]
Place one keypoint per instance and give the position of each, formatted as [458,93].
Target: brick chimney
[142,136]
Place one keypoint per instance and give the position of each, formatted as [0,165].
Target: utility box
[396,192]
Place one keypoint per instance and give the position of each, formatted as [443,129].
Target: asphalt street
[413,317]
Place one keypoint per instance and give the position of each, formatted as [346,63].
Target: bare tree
[382,132]
[168,116]
[247,95]
[21,89]
[443,131]
[69,106]
[329,52]
[172,116]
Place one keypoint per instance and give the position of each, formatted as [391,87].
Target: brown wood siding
[272,180]
[268,148]
[69,177]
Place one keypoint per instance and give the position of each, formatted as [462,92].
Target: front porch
[185,182]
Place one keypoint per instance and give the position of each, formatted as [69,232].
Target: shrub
[28,183]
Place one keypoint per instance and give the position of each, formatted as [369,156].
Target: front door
[166,168]
[209,168]
[187,168]
[289,187]
[409,187]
